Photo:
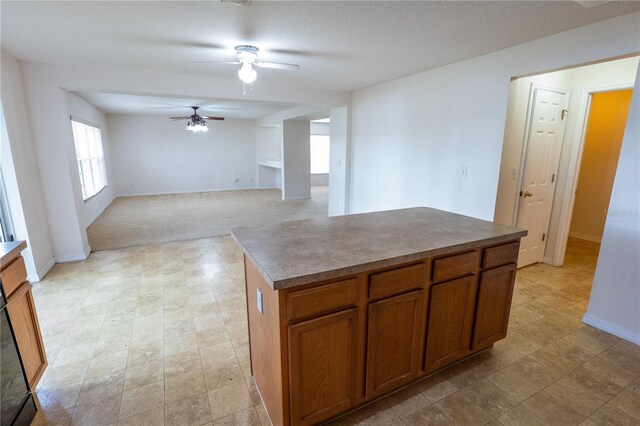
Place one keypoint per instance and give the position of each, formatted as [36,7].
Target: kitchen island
[344,310]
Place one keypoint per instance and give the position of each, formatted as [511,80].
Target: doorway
[606,122]
[549,221]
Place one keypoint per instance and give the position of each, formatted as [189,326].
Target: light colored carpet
[156,219]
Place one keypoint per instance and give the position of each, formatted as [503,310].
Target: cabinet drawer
[500,255]
[448,268]
[13,275]
[325,298]
[397,281]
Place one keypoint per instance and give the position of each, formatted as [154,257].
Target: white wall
[154,155]
[296,164]
[340,161]
[79,108]
[413,136]
[575,80]
[57,163]
[20,173]
[615,296]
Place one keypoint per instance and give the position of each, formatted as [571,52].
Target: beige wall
[605,129]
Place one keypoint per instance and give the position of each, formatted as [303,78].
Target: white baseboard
[41,272]
[73,257]
[303,197]
[195,191]
[623,333]
[585,237]
[97,215]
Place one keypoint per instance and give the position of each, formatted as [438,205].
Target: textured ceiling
[340,45]
[115,103]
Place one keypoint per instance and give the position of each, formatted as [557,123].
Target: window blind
[90,156]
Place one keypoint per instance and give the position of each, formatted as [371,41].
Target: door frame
[573,171]
[525,148]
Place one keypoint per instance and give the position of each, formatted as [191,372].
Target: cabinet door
[451,308]
[24,320]
[322,366]
[494,303]
[395,342]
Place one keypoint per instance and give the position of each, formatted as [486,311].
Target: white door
[546,127]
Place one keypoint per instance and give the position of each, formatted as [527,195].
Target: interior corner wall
[20,173]
[57,163]
[79,108]
[412,137]
[614,305]
[154,155]
[575,80]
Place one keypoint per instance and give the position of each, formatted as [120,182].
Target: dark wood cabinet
[451,309]
[395,341]
[322,366]
[495,291]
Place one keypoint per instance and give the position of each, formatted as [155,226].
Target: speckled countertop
[10,250]
[300,252]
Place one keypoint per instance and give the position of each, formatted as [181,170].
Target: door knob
[526,194]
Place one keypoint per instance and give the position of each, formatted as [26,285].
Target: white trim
[586,237]
[100,211]
[195,191]
[623,333]
[575,161]
[303,197]
[40,274]
[73,257]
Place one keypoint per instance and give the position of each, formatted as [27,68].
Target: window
[319,154]
[90,155]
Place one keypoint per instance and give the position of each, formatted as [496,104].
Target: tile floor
[157,335]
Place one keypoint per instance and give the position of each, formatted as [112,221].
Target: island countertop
[10,250]
[299,252]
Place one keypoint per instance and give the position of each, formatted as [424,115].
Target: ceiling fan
[248,57]
[197,123]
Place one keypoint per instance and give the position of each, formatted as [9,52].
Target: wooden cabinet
[26,328]
[395,342]
[321,349]
[451,309]
[22,311]
[322,366]
[494,303]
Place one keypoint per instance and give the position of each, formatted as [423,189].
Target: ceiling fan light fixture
[247,74]
[197,127]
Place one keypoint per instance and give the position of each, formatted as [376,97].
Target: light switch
[259,300]
[515,173]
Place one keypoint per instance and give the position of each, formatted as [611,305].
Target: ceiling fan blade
[216,62]
[213,118]
[179,118]
[277,65]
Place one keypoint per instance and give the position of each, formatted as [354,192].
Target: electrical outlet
[259,301]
